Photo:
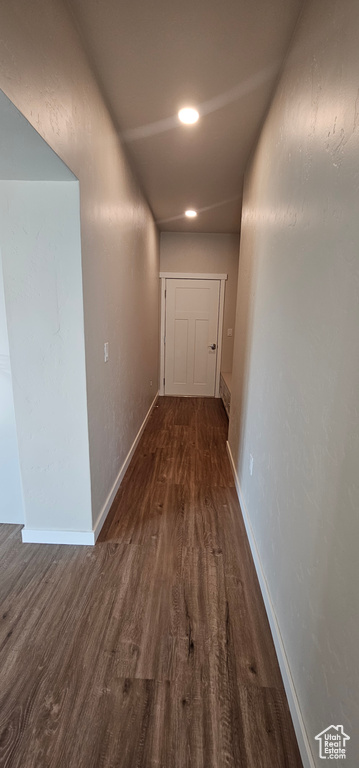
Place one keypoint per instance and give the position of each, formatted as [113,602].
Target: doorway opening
[192,307]
[43,306]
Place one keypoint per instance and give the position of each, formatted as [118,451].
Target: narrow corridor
[152,648]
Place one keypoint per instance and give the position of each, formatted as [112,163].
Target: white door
[192,311]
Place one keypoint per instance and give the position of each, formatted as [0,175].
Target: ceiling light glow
[188,115]
[190,213]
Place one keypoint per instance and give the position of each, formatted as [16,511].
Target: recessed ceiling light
[188,115]
[191,214]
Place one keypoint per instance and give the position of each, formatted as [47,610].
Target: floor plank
[153,648]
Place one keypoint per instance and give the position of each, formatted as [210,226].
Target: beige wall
[182,252]
[46,74]
[295,397]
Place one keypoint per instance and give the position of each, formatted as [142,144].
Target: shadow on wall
[247,281]
[11,502]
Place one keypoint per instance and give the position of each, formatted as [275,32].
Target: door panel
[192,308]
[180,350]
[200,352]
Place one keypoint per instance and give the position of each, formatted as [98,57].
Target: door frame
[191,276]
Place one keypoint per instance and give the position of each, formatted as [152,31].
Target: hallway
[152,648]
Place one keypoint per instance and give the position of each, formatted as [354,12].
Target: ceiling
[152,57]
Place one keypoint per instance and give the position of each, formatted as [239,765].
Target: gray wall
[182,252]
[295,398]
[40,236]
[45,73]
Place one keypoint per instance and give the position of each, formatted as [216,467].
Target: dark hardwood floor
[152,649]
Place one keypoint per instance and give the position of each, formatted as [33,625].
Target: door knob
[212,346]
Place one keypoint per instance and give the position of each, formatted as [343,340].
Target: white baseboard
[30,536]
[107,505]
[303,743]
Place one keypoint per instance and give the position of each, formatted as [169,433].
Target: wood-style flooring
[151,649]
